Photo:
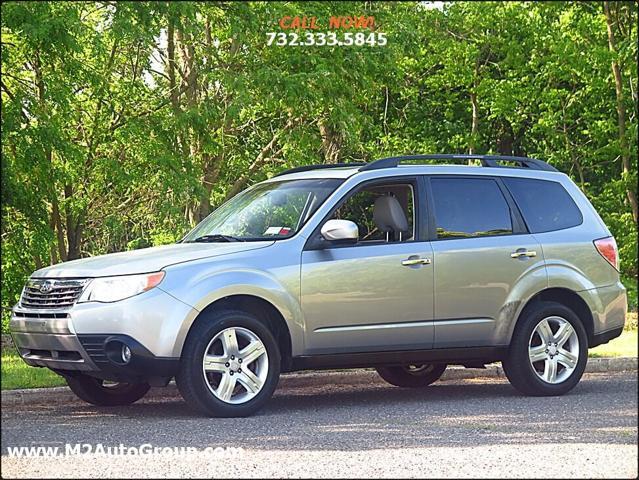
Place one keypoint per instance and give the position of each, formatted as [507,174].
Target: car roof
[347,172]
[392,166]
[317,174]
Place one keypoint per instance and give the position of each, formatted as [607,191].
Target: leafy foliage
[125,123]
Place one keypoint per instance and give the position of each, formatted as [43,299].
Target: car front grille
[46,294]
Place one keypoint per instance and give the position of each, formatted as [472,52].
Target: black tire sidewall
[191,380]
[518,363]
[92,391]
[398,376]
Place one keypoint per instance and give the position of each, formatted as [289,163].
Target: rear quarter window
[545,205]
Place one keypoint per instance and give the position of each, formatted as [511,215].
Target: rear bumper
[609,306]
[605,337]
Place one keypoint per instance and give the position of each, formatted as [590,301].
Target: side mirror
[340,231]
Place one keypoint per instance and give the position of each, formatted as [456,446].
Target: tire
[412,376]
[96,392]
[540,378]
[244,392]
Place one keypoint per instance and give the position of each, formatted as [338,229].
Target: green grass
[622,346]
[631,286]
[17,374]
[631,321]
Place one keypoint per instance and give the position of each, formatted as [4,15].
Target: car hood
[144,260]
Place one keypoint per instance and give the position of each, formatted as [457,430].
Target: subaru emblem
[46,287]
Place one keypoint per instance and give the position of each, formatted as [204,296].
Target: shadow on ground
[601,409]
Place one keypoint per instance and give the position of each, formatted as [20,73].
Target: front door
[376,295]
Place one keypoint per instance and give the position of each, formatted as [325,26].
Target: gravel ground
[462,428]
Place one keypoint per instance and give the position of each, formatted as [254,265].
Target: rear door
[481,248]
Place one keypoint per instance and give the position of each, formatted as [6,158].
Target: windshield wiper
[216,237]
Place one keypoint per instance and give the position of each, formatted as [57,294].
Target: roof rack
[307,168]
[486,161]
[391,162]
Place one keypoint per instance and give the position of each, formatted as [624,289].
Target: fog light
[126,354]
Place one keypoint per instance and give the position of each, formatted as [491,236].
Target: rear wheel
[412,376]
[548,351]
[230,365]
[106,394]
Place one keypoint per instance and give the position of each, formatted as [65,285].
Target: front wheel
[548,351]
[230,365]
[412,376]
[99,392]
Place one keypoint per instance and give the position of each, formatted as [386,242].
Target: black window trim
[420,227]
[581,215]
[518,224]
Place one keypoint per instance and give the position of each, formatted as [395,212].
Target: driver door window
[382,213]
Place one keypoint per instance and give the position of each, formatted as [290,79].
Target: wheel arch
[251,288]
[263,310]
[566,297]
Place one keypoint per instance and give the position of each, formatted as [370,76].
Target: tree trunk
[200,207]
[211,173]
[55,210]
[53,252]
[190,71]
[621,113]
[330,141]
[57,228]
[74,228]
[573,157]
[474,128]
[505,138]
[173,94]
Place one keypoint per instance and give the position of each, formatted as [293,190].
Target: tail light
[607,247]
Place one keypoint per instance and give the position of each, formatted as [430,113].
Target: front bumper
[46,339]
[105,353]
[85,337]
[95,355]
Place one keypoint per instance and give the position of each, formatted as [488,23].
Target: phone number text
[326,39]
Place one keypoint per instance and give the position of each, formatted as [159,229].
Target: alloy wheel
[235,365]
[553,349]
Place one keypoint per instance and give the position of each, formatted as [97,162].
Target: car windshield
[266,211]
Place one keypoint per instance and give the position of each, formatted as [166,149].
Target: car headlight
[112,289]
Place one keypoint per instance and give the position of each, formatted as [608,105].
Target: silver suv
[405,268]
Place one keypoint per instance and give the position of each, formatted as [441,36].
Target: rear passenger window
[469,207]
[545,205]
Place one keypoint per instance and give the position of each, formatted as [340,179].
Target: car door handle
[415,261]
[522,252]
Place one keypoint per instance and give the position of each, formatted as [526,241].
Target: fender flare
[202,292]
[562,276]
